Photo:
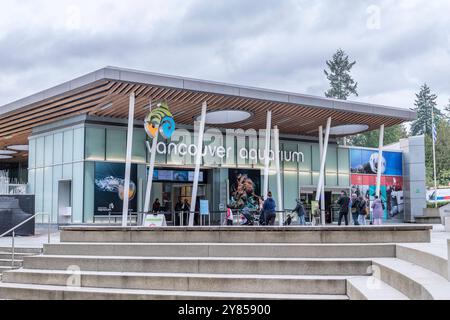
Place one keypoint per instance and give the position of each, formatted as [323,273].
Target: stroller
[247,219]
[290,216]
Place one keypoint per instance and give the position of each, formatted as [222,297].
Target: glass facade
[69,155]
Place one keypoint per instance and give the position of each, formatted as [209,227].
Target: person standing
[355,209]
[269,210]
[186,208]
[178,211]
[362,212]
[229,217]
[378,211]
[300,210]
[156,206]
[344,203]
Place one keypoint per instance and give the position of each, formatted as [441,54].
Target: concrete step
[371,288]
[429,256]
[291,266]
[33,250]
[8,255]
[223,250]
[414,281]
[239,234]
[46,292]
[244,283]
[8,263]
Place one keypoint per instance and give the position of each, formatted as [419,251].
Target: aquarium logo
[160,120]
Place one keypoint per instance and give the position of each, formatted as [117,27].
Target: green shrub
[440,204]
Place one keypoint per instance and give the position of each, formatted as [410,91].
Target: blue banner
[363,161]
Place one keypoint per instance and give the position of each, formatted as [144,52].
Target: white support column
[380,158]
[152,152]
[126,193]
[276,136]
[266,154]
[151,169]
[320,184]
[322,191]
[198,160]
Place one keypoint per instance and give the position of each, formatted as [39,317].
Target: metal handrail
[13,230]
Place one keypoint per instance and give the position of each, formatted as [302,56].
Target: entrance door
[64,201]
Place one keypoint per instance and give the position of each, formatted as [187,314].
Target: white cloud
[270,43]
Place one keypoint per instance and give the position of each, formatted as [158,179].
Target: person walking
[300,210]
[355,209]
[362,212]
[344,203]
[378,211]
[269,210]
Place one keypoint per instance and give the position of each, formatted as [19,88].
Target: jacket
[344,203]
[299,209]
[269,206]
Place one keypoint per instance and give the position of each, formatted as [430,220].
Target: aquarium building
[68,146]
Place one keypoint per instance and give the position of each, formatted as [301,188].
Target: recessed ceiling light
[19,147]
[226,116]
[348,129]
[5,157]
[6,152]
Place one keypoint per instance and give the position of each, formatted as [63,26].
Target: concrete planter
[430,216]
[431,212]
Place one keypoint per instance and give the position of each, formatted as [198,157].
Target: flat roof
[105,93]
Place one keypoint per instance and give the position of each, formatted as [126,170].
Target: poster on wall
[109,188]
[364,161]
[245,188]
[364,168]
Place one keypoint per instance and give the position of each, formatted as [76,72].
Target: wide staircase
[221,263]
[6,257]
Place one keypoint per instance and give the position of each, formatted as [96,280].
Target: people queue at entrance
[358,207]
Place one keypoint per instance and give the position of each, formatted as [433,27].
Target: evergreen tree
[442,155]
[425,100]
[447,110]
[342,84]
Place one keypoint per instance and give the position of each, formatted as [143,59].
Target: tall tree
[371,139]
[447,110]
[342,84]
[424,103]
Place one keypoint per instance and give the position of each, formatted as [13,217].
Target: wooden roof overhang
[110,98]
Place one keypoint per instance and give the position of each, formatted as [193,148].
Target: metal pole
[434,156]
[49,226]
[126,195]
[266,154]
[323,160]
[198,160]
[276,134]
[322,191]
[13,248]
[380,158]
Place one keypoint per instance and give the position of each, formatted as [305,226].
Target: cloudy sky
[277,44]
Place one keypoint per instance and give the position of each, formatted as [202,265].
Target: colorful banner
[365,161]
[364,168]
